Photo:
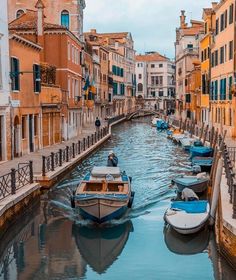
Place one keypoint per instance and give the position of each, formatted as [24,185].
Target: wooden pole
[212,136]
[202,130]
[205,135]
[215,139]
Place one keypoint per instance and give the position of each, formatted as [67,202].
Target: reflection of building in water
[42,251]
[100,247]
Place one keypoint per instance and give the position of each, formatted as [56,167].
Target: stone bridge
[142,113]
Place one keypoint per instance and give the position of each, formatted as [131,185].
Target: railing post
[67,153]
[84,143]
[79,147]
[73,150]
[88,138]
[95,136]
[13,181]
[52,162]
[43,165]
[234,199]
[92,139]
[60,157]
[31,173]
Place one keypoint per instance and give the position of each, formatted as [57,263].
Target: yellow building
[205,53]
[222,67]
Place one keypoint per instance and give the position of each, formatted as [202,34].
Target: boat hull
[101,210]
[197,188]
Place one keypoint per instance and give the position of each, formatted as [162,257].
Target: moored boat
[204,162]
[201,151]
[196,183]
[104,194]
[161,124]
[187,217]
[155,120]
[187,143]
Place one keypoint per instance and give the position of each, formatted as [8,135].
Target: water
[51,242]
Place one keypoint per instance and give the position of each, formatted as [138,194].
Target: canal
[50,241]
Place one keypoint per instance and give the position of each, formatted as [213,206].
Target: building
[155,76]
[186,52]
[205,55]
[5,134]
[68,13]
[222,67]
[67,60]
[122,45]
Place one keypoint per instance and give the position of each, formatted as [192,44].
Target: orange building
[63,50]
[68,13]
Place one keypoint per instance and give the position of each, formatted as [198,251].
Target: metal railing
[57,159]
[16,179]
[229,164]
[115,119]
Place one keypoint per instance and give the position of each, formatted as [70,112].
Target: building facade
[186,52]
[68,13]
[5,132]
[155,76]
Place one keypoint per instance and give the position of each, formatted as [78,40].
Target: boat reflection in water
[100,247]
[186,244]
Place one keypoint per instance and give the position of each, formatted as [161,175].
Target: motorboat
[196,183]
[205,163]
[161,124]
[104,194]
[201,151]
[100,247]
[187,217]
[187,143]
[155,120]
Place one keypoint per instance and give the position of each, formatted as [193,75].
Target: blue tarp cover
[190,206]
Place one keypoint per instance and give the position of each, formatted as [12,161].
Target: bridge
[142,113]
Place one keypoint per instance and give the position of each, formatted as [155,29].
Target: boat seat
[103,171]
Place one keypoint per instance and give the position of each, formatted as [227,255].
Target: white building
[155,76]
[4,82]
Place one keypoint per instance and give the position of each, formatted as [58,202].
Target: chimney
[40,17]
[94,31]
[182,20]
[214,4]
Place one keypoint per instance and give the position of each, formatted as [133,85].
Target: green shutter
[230,85]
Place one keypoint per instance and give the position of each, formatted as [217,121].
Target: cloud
[151,22]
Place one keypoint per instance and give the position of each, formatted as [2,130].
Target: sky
[152,23]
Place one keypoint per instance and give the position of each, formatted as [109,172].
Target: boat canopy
[103,171]
[190,206]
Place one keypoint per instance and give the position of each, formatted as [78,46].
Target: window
[15,74]
[23,127]
[160,65]
[222,22]
[226,18]
[68,86]
[140,87]
[230,50]
[231,13]
[217,26]
[35,125]
[115,88]
[114,71]
[122,72]
[205,54]
[68,50]
[216,90]
[140,76]
[188,98]
[206,28]
[65,19]
[152,65]
[190,46]
[230,87]
[222,59]
[36,78]
[216,57]
[204,84]
[19,13]
[0,67]
[202,56]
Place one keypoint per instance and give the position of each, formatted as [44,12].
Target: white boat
[104,194]
[187,142]
[155,120]
[187,217]
[178,137]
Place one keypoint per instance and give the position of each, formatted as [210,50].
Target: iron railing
[229,165]
[57,159]
[16,179]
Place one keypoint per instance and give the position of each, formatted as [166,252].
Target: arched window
[19,13]
[140,87]
[65,19]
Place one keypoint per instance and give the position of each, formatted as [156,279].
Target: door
[1,135]
[31,133]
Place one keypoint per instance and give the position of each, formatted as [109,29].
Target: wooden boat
[104,194]
[100,247]
[155,120]
[187,143]
[177,137]
[188,217]
[201,152]
[196,183]
[204,162]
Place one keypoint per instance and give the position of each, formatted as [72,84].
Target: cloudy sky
[151,22]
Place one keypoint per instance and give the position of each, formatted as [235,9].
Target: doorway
[31,134]
[16,137]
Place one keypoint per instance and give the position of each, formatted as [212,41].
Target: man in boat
[189,195]
[112,160]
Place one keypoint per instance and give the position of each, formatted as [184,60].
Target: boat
[187,143]
[177,137]
[161,124]
[204,162]
[100,247]
[155,120]
[103,195]
[201,152]
[196,183]
[188,217]
[186,244]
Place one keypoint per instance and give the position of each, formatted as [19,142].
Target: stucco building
[155,76]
